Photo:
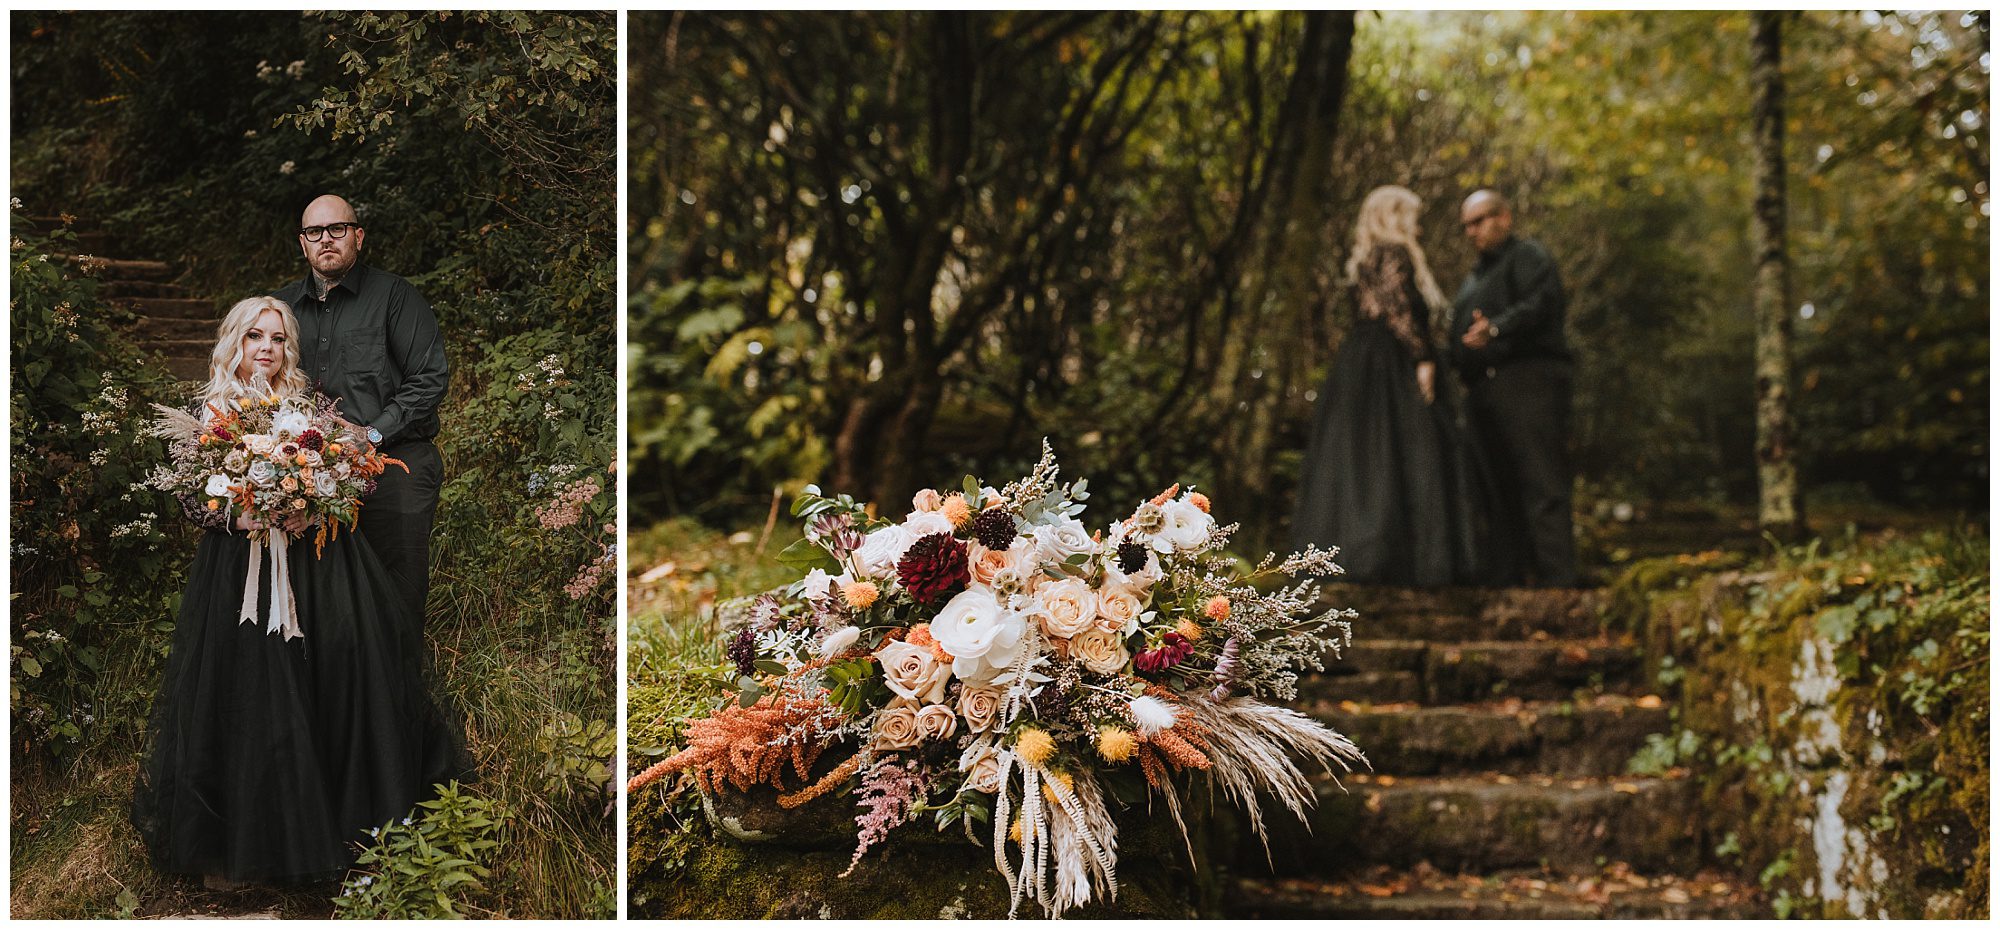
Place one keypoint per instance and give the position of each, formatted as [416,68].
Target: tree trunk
[1779,509]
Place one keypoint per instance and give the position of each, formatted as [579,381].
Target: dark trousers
[396,519]
[1520,415]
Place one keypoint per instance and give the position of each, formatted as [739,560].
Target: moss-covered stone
[684,864]
[1838,703]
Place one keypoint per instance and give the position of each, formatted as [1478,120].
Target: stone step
[124,268]
[1596,736]
[188,368]
[154,331]
[1481,823]
[1454,614]
[1424,894]
[187,308]
[118,289]
[1451,673]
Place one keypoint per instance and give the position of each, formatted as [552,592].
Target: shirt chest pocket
[363,354]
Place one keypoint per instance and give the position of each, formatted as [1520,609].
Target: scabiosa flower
[743,651]
[1131,557]
[995,529]
[1173,650]
[933,568]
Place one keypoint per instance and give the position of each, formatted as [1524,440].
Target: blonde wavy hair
[227,356]
[1389,217]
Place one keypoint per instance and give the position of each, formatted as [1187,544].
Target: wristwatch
[374,435]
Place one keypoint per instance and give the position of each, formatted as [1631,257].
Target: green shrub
[426,866]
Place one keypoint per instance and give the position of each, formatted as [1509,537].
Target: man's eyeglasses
[336,230]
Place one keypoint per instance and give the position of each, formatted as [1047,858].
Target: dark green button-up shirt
[1519,289]
[372,341]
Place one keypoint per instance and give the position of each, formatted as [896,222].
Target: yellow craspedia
[1115,744]
[1035,746]
[957,510]
[1188,628]
[1014,832]
[860,594]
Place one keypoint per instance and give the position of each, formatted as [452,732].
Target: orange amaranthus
[746,746]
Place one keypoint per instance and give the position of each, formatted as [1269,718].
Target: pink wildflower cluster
[566,510]
[888,793]
[586,580]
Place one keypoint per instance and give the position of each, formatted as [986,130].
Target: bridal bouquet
[988,658]
[271,458]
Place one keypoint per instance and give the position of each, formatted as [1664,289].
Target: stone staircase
[1499,724]
[168,319]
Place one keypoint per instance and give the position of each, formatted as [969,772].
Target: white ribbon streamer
[284,608]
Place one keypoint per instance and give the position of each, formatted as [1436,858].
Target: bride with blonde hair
[271,755]
[1385,477]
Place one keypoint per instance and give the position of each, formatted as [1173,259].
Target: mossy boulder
[1834,713]
[741,856]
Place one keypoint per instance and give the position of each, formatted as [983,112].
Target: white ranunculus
[1060,540]
[982,637]
[291,422]
[925,523]
[218,486]
[882,549]
[1187,526]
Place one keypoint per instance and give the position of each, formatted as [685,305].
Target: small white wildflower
[288,167]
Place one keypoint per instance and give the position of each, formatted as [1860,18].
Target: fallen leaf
[658,572]
[1649,702]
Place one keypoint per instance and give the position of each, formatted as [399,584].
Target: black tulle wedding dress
[270,756]
[1386,477]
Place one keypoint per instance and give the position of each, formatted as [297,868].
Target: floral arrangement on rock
[990,659]
[270,457]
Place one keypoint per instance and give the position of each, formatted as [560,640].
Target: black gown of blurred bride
[1386,477]
[270,756]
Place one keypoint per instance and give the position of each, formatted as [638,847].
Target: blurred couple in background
[1411,494]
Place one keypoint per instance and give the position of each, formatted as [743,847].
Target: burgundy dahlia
[311,439]
[1173,650]
[933,567]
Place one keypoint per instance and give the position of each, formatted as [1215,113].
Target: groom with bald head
[1508,346]
[369,339]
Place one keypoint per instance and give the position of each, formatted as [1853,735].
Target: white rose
[981,765]
[1058,541]
[262,473]
[881,550]
[1118,609]
[981,636]
[218,486]
[1068,607]
[342,469]
[1101,652]
[1187,526]
[324,484]
[980,707]
[896,726]
[936,721]
[913,672]
[814,585]
[260,443]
